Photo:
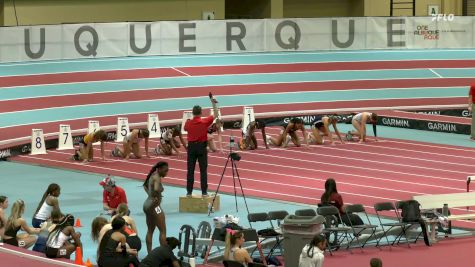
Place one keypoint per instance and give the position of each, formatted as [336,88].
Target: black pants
[197,151]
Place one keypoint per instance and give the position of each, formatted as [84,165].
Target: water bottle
[445,210]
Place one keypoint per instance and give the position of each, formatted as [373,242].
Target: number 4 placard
[65,139]
[38,142]
[122,128]
[153,125]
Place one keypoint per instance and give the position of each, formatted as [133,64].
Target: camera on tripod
[232,158]
[233,155]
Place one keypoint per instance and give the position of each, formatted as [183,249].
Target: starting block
[198,204]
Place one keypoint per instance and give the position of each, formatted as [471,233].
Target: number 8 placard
[37,142]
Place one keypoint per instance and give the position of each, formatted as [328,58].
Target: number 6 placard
[37,142]
[122,128]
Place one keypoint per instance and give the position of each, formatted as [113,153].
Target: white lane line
[218,156]
[182,72]
[250,179]
[249,189]
[438,75]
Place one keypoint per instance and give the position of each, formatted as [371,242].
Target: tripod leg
[235,170]
[219,185]
[234,183]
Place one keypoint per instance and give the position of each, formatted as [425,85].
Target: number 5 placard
[37,142]
[122,128]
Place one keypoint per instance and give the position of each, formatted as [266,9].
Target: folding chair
[228,263]
[187,231]
[204,231]
[306,212]
[389,206]
[333,226]
[278,216]
[259,217]
[398,207]
[358,230]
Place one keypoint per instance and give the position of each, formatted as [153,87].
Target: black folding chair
[389,206]
[414,225]
[333,227]
[186,231]
[306,212]
[360,229]
[204,231]
[277,216]
[259,217]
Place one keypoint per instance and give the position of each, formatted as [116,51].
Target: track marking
[293,167]
[182,72]
[438,75]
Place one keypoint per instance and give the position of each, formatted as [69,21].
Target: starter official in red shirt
[197,129]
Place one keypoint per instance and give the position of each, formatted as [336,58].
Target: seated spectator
[131,229]
[100,226]
[113,250]
[163,255]
[3,217]
[14,223]
[61,232]
[375,262]
[40,244]
[312,254]
[48,202]
[112,195]
[233,250]
[332,197]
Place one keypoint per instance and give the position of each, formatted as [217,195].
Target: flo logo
[443,17]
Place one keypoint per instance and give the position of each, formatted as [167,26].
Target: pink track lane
[124,96]
[25,130]
[298,175]
[9,81]
[89,76]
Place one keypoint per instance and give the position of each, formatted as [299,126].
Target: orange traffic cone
[78,259]
[88,263]
[78,223]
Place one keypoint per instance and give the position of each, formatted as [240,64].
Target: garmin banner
[97,40]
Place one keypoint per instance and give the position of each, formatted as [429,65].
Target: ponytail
[51,188]
[230,241]
[227,247]
[317,239]
[154,169]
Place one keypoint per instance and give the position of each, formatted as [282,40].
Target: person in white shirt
[312,254]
